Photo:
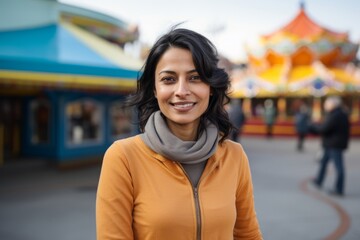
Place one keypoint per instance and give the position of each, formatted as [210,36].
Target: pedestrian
[302,121]
[180,178]
[237,118]
[335,132]
[269,117]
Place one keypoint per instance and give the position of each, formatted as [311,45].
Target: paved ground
[288,206]
[38,202]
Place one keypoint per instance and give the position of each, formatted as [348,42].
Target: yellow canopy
[296,81]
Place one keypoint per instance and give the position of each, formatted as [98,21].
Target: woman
[180,178]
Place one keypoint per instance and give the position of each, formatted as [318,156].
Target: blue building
[63,78]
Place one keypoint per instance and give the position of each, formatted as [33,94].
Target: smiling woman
[181,94]
[180,178]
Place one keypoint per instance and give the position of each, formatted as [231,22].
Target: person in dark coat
[302,121]
[335,133]
[237,118]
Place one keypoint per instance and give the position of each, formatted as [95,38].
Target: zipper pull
[196,192]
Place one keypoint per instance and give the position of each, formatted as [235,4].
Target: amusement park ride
[301,63]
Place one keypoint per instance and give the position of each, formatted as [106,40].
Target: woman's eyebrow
[173,72]
[167,71]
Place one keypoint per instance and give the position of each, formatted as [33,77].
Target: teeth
[184,105]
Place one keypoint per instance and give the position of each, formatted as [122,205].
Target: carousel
[301,63]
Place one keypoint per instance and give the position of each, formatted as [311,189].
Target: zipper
[196,198]
[197,203]
[198,215]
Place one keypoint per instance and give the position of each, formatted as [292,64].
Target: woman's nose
[182,88]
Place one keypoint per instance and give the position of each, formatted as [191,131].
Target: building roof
[42,54]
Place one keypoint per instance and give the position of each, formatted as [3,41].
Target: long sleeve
[114,202]
[328,125]
[246,226]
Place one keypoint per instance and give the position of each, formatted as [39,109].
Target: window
[84,121]
[120,120]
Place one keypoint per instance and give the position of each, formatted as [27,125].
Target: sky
[229,24]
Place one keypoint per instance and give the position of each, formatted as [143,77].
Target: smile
[183,106]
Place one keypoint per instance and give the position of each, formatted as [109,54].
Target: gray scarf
[159,138]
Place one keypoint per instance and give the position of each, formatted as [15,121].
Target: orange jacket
[141,195]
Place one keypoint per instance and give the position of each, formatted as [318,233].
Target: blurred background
[67,66]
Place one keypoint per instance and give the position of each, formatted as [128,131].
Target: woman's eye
[195,78]
[167,79]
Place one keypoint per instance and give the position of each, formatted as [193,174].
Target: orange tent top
[304,27]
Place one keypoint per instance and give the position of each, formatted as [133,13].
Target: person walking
[335,133]
[237,118]
[269,117]
[181,178]
[302,121]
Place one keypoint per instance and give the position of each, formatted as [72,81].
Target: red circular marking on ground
[344,224]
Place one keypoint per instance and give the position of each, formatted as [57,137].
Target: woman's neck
[185,132]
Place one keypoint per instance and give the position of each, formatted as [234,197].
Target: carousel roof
[303,27]
[63,55]
[301,58]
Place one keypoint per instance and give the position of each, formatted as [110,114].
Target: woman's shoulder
[125,145]
[129,151]
[231,155]
[128,142]
[231,145]
[230,148]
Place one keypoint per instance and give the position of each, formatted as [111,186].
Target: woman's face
[181,94]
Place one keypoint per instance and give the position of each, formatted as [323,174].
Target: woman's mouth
[183,106]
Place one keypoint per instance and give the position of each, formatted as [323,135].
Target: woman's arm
[114,201]
[246,226]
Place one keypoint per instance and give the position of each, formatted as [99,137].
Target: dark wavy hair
[205,59]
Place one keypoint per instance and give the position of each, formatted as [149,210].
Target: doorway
[10,128]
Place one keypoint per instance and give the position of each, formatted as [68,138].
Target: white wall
[19,14]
